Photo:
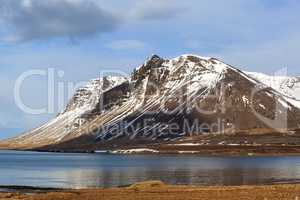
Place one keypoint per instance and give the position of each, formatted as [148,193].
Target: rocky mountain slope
[167,100]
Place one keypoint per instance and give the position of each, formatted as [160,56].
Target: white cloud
[35,19]
[27,20]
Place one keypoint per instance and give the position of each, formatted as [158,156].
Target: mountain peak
[153,61]
[194,56]
[154,57]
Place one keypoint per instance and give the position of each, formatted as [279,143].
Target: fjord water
[62,170]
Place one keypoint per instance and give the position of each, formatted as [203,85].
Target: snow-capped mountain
[162,94]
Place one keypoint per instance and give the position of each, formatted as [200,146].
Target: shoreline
[158,190]
[239,144]
[37,189]
[31,189]
[235,153]
[249,143]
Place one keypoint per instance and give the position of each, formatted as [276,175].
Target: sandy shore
[157,190]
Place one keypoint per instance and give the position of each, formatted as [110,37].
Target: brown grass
[156,190]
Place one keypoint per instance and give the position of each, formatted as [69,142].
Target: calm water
[103,170]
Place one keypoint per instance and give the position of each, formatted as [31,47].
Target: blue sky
[84,37]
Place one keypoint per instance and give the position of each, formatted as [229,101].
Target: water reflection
[92,170]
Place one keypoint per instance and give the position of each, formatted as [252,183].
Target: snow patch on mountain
[134,151]
[288,87]
[88,96]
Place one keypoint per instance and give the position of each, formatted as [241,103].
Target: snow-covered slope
[162,93]
[87,97]
[289,87]
[84,101]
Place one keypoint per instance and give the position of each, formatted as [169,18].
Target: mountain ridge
[163,92]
